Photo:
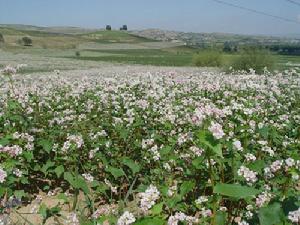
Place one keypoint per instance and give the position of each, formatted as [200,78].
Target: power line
[256,11]
[293,2]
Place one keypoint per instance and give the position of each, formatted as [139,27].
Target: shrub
[77,53]
[253,58]
[27,41]
[208,58]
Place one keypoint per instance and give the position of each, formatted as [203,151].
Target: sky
[179,15]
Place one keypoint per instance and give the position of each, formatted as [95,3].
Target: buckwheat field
[143,145]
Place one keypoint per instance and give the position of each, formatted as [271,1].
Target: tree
[1,38]
[108,27]
[124,27]
[27,41]
[230,47]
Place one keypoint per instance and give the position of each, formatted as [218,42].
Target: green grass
[156,57]
[177,56]
[115,37]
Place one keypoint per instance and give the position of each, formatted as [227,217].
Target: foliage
[230,47]
[124,27]
[27,41]
[108,27]
[253,58]
[208,59]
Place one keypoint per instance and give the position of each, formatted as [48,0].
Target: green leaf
[28,156]
[76,182]
[264,132]
[135,168]
[198,162]
[43,210]
[221,218]
[4,141]
[171,203]
[63,197]
[165,150]
[70,178]
[157,209]
[235,190]
[81,184]
[257,166]
[150,221]
[289,204]
[271,215]
[208,140]
[59,170]
[19,194]
[186,187]
[116,172]
[46,144]
[47,166]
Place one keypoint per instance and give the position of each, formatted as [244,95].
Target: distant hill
[70,37]
[63,30]
[199,39]
[67,37]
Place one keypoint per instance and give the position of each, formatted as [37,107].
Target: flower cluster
[294,216]
[250,176]
[149,197]
[216,130]
[126,219]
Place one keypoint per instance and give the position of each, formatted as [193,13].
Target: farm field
[125,144]
[88,47]
[106,127]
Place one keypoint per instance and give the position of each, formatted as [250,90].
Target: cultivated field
[149,145]
[94,139]
[91,47]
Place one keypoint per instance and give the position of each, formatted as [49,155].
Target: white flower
[263,199]
[250,157]
[216,130]
[249,175]
[72,219]
[149,197]
[294,216]
[201,200]
[197,151]
[275,166]
[3,175]
[238,145]
[290,162]
[243,223]
[17,172]
[88,177]
[167,166]
[126,219]
[181,217]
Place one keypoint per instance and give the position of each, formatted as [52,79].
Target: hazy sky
[182,15]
